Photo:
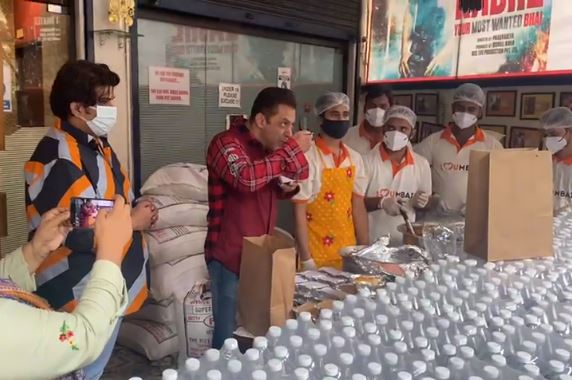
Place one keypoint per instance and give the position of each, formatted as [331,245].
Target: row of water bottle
[460,320]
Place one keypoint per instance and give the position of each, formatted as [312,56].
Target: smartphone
[84,211]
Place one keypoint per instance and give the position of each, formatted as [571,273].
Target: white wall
[116,53]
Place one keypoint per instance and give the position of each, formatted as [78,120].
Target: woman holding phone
[39,343]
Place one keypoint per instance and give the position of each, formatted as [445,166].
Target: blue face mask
[336,129]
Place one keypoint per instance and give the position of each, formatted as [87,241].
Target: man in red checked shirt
[250,168]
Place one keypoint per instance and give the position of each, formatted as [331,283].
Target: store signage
[432,39]
[48,28]
[228,95]
[169,85]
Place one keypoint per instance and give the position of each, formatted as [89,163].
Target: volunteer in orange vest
[448,151]
[329,209]
[557,126]
[399,179]
[365,136]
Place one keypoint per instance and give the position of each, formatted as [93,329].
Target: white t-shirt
[450,164]
[357,139]
[310,188]
[562,183]
[402,181]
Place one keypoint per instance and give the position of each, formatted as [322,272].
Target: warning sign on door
[228,95]
[168,85]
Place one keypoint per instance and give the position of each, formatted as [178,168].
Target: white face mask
[464,120]
[104,121]
[374,116]
[395,140]
[555,144]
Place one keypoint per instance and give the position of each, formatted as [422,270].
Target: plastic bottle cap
[301,374]
[358,376]
[457,363]
[370,328]
[400,347]
[525,377]
[170,374]
[234,366]
[192,365]
[292,324]
[374,369]
[305,317]
[467,352]
[338,305]
[326,325]
[432,332]
[428,355]
[259,375]
[449,350]
[358,313]
[475,378]
[529,346]
[214,374]
[442,373]
[556,366]
[346,359]
[460,340]
[381,319]
[418,317]
[562,355]
[212,355]
[364,349]
[470,330]
[296,341]
[395,335]
[331,370]
[281,352]
[499,360]
[275,331]
[539,338]
[407,325]
[391,359]
[347,321]
[509,329]
[493,347]
[517,321]
[559,326]
[252,354]
[338,342]
[260,343]
[230,344]
[313,334]
[421,342]
[326,314]
[404,376]
[135,378]
[499,337]
[523,357]
[320,350]
[275,365]
[419,367]
[491,372]
[532,369]
[374,340]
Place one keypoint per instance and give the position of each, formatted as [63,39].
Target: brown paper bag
[509,204]
[267,282]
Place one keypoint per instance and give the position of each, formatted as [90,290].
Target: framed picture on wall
[524,137]
[533,105]
[501,103]
[426,104]
[566,99]
[496,131]
[427,129]
[403,100]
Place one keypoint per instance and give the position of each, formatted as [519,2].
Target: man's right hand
[391,206]
[304,139]
[113,230]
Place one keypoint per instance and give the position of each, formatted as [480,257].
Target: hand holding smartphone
[84,211]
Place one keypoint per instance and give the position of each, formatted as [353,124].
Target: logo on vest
[384,193]
[563,194]
[452,167]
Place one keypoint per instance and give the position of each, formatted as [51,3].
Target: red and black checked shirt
[244,191]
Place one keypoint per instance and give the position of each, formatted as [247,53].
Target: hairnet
[470,92]
[330,100]
[400,112]
[559,117]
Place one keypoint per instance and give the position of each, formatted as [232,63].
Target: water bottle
[290,329]
[169,374]
[210,360]
[230,349]
[234,370]
[458,368]
[192,369]
[304,323]
[449,351]
[326,314]
[419,368]
[346,361]
[358,376]
[442,373]
[490,349]
[214,374]
[375,343]
[390,367]
[374,371]
[491,373]
[332,370]
[262,345]
[281,353]
[402,375]
[313,337]
[337,310]
[296,343]
[252,360]
[320,354]
[273,336]
[275,369]
[301,374]
[555,369]
[259,375]
[326,327]
[306,361]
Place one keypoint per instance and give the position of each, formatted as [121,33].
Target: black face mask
[336,129]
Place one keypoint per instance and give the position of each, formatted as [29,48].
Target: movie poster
[433,39]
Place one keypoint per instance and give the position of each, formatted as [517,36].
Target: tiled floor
[125,364]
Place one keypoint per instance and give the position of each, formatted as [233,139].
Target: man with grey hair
[448,151]
[329,208]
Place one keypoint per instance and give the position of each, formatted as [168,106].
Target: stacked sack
[179,276]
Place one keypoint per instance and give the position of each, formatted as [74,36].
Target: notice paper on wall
[168,85]
[284,77]
[228,95]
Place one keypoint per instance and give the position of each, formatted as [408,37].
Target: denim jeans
[224,289]
[95,370]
